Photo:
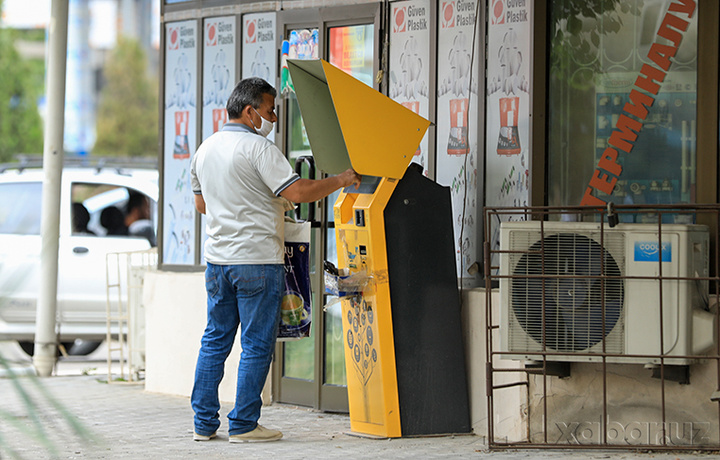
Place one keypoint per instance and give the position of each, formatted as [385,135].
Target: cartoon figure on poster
[219,91]
[511,83]
[181,96]
[259,67]
[409,84]
[181,99]
[220,74]
[457,82]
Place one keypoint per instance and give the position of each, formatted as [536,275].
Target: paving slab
[126,422]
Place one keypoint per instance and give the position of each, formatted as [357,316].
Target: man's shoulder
[257,144]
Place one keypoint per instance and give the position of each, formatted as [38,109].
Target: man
[137,217]
[240,179]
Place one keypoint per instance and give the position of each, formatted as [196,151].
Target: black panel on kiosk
[426,317]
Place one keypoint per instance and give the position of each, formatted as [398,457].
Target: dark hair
[135,200]
[80,217]
[113,220]
[248,92]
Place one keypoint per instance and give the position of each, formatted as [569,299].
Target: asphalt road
[95,363]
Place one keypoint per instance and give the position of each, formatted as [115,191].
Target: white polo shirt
[240,175]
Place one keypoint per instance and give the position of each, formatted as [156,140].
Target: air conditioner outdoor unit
[559,273]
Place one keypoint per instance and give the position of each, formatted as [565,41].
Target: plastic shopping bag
[296,303]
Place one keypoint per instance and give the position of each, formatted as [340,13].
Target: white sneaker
[259,434]
[202,437]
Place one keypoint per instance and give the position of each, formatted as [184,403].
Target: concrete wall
[634,406]
[510,405]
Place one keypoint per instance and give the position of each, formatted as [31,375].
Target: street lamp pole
[45,354]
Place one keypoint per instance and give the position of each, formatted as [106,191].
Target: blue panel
[647,251]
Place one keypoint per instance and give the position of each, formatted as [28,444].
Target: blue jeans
[237,295]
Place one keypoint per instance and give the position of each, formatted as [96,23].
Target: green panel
[318,113]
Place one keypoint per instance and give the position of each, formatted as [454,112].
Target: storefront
[525,99]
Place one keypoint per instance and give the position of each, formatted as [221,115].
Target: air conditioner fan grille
[577,276]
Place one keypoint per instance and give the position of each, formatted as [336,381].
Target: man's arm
[307,190]
[200,203]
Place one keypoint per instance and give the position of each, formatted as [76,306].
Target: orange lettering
[639,103]
[625,132]
[687,7]
[661,54]
[647,78]
[590,200]
[600,182]
[608,163]
[675,22]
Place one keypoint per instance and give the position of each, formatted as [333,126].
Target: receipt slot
[402,332]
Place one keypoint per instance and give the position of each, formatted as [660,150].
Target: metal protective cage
[613,404]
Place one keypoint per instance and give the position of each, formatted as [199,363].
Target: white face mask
[265,128]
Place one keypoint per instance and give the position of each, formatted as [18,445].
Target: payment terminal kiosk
[402,329]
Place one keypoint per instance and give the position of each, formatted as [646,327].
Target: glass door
[311,371]
[350,48]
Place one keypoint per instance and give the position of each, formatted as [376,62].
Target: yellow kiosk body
[403,341]
[367,318]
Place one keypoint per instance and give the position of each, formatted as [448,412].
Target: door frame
[316,393]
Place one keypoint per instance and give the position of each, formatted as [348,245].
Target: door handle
[80,250]
[310,162]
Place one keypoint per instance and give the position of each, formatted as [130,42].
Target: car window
[96,198]
[19,208]
[108,211]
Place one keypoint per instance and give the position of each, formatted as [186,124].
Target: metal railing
[125,312]
[596,399]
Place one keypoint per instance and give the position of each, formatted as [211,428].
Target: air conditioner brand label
[647,251]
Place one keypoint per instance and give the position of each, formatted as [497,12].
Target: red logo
[173,41]
[211,38]
[448,15]
[497,16]
[399,22]
[251,31]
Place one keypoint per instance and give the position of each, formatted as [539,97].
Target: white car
[82,292]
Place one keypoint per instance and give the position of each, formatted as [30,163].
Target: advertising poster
[410,62]
[508,106]
[457,122]
[218,72]
[302,44]
[179,141]
[259,49]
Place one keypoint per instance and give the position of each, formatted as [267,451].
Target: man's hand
[349,177]
[307,190]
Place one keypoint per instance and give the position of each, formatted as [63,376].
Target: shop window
[622,97]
